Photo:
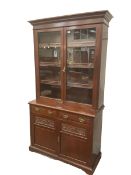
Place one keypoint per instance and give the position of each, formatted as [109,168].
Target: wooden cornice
[105,14]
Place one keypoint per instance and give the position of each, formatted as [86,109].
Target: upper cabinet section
[70,59]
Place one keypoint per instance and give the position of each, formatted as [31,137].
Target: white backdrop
[17,87]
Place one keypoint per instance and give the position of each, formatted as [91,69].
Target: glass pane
[49,57]
[80,64]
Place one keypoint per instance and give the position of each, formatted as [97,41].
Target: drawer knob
[37,109]
[81,119]
[65,116]
[50,112]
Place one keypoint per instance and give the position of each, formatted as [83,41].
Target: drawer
[75,130]
[43,111]
[44,122]
[73,117]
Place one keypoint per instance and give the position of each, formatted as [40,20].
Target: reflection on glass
[78,95]
[92,33]
[49,57]
[80,54]
[80,64]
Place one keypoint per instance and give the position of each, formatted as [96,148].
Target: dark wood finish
[67,130]
[67,150]
[45,138]
[103,64]
[37,73]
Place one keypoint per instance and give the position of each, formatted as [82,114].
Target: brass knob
[81,119]
[50,112]
[59,101]
[37,109]
[65,116]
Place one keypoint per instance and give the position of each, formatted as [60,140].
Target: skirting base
[89,168]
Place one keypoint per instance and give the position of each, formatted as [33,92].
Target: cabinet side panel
[103,65]
[36,64]
[97,128]
[31,128]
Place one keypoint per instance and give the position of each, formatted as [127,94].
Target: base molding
[88,168]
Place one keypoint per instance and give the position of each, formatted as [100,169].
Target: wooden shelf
[51,82]
[48,45]
[72,65]
[81,43]
[81,65]
[69,84]
[80,85]
[46,64]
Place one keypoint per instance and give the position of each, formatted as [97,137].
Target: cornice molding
[105,14]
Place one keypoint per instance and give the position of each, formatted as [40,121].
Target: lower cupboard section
[67,139]
[64,138]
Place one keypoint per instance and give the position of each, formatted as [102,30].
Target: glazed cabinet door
[74,144]
[49,53]
[43,133]
[80,61]
[67,61]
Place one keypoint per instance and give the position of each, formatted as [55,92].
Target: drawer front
[43,111]
[74,130]
[73,117]
[45,122]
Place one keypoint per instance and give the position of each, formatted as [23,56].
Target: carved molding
[44,122]
[74,130]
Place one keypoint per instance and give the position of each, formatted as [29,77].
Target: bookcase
[70,61]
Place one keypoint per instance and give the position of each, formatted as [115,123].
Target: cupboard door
[74,142]
[45,135]
[80,56]
[50,62]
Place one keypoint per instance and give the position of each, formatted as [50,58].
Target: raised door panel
[73,147]
[45,136]
[74,142]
